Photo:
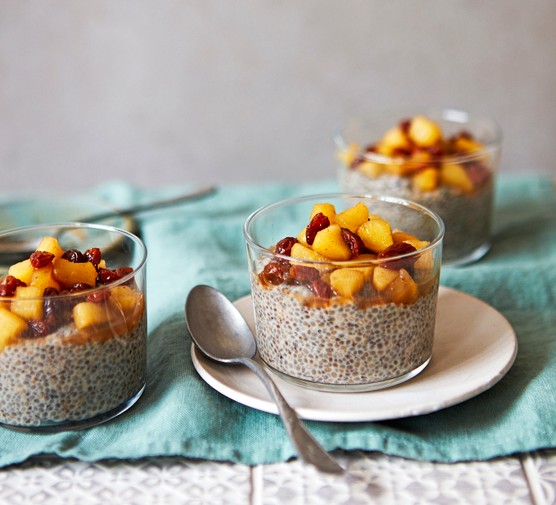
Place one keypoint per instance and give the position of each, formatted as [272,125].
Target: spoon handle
[307,447]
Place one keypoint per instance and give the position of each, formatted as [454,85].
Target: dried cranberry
[394,250]
[79,286]
[75,256]
[40,259]
[321,289]
[275,272]
[36,328]
[404,125]
[285,245]
[303,274]
[318,223]
[98,296]
[354,242]
[50,291]
[106,276]
[93,255]
[9,285]
[478,173]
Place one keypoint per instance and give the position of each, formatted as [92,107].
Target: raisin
[275,273]
[9,285]
[40,259]
[78,287]
[302,274]
[404,125]
[318,223]
[285,245]
[93,255]
[98,296]
[354,242]
[36,328]
[321,289]
[75,256]
[106,276]
[394,250]
[50,291]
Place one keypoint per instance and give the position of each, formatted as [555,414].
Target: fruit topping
[352,256]
[418,149]
[31,305]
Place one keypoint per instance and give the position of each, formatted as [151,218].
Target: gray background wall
[173,92]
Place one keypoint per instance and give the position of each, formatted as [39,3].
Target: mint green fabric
[202,243]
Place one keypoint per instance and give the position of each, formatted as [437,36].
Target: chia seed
[58,379]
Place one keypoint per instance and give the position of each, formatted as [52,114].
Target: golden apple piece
[11,326]
[427,179]
[467,145]
[22,271]
[68,273]
[367,271]
[86,314]
[454,175]
[324,208]
[302,252]
[353,217]
[393,140]
[330,243]
[424,132]
[382,277]
[51,245]
[27,302]
[302,237]
[370,169]
[347,282]
[42,278]
[126,299]
[402,289]
[348,154]
[376,234]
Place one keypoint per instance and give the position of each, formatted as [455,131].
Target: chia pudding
[445,161]
[349,303]
[68,377]
[341,344]
[72,327]
[467,216]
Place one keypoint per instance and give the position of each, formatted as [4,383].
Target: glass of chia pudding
[344,289]
[445,160]
[72,325]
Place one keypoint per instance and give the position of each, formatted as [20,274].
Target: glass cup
[335,315]
[72,325]
[446,160]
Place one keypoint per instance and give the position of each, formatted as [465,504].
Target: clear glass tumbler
[446,160]
[72,325]
[350,306]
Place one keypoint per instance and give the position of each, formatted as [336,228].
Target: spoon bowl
[220,332]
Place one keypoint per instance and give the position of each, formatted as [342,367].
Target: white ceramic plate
[473,349]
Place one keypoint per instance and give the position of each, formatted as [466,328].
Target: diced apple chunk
[22,271]
[27,303]
[51,245]
[403,289]
[68,273]
[376,234]
[86,314]
[326,209]
[330,243]
[353,217]
[347,281]
[11,326]
[382,277]
[393,140]
[427,179]
[453,174]
[42,278]
[424,132]
[302,252]
[348,154]
[126,299]
[370,169]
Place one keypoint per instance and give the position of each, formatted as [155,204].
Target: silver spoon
[220,332]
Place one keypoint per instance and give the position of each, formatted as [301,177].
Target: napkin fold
[202,243]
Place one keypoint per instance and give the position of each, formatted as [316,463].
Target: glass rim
[68,225]
[451,115]
[324,197]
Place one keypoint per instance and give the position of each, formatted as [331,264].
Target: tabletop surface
[370,478]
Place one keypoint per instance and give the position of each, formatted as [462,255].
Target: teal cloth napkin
[202,243]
